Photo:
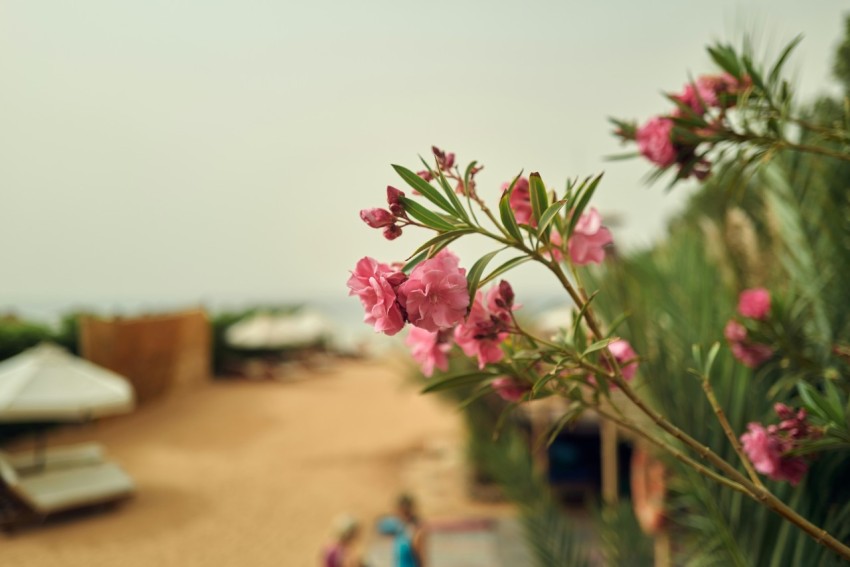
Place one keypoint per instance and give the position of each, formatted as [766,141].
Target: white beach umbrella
[273,331]
[48,384]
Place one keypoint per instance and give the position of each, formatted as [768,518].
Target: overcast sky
[202,150]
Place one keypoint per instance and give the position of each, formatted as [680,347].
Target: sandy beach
[237,472]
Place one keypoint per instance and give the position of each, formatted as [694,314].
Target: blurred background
[170,153]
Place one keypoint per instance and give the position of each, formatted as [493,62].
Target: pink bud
[425,174]
[392,232]
[377,218]
[754,303]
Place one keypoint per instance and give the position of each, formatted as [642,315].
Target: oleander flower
[588,241]
[624,354]
[375,284]
[429,349]
[766,449]
[748,353]
[377,218]
[435,296]
[484,330]
[509,389]
[754,303]
[520,201]
[655,141]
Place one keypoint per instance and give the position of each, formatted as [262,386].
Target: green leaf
[425,216]
[709,360]
[813,401]
[412,263]
[598,345]
[450,193]
[582,201]
[457,381]
[425,188]
[580,315]
[510,264]
[507,213]
[476,271]
[443,239]
[548,216]
[777,67]
[539,198]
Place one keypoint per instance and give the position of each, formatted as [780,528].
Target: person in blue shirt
[409,540]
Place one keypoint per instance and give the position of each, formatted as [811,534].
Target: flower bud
[377,218]
[392,232]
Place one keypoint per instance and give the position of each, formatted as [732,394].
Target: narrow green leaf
[581,204]
[813,401]
[428,191]
[777,67]
[539,198]
[441,238]
[580,315]
[457,381]
[510,264]
[412,263]
[709,360]
[476,271]
[507,213]
[452,196]
[598,345]
[832,401]
[425,216]
[569,417]
[549,215]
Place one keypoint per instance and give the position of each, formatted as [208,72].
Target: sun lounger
[55,457]
[45,491]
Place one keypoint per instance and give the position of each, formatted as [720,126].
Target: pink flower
[707,92]
[754,303]
[520,201]
[429,349]
[392,232]
[734,331]
[766,449]
[435,295]
[587,244]
[375,284]
[484,330]
[509,389]
[748,353]
[377,218]
[624,354]
[751,355]
[655,141]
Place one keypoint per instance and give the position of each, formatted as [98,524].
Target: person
[339,552]
[409,540]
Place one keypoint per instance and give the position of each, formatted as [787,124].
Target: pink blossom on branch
[766,449]
[510,389]
[754,303]
[748,353]
[435,295]
[655,141]
[520,201]
[588,241]
[429,349]
[624,354]
[375,284]
[484,330]
[377,218]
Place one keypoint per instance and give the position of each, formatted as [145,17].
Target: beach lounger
[34,493]
[55,457]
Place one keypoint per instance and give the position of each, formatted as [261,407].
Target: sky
[177,152]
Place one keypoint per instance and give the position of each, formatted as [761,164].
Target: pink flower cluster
[486,328]
[434,299]
[752,304]
[658,140]
[480,334]
[768,447]
[626,357]
[510,389]
[387,219]
[589,239]
[445,163]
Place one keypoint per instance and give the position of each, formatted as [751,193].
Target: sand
[238,472]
